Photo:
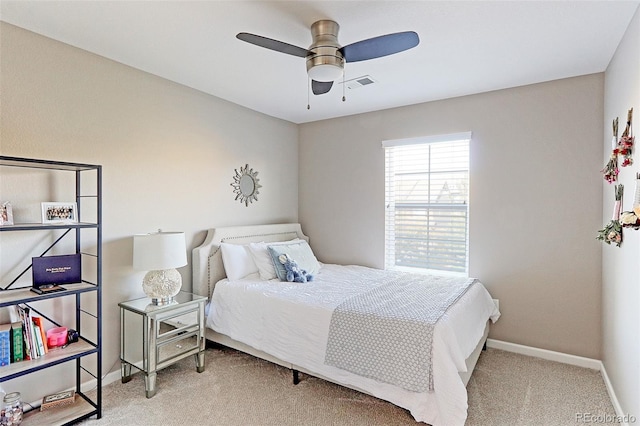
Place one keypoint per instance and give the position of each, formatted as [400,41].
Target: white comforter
[291,322]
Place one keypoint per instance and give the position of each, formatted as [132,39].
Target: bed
[295,333]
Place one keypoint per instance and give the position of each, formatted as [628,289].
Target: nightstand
[155,336]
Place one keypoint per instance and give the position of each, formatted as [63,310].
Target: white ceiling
[465,47]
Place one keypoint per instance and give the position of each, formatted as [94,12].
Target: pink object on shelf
[57,337]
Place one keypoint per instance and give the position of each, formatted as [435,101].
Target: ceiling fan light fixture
[325,62]
[326,58]
[325,72]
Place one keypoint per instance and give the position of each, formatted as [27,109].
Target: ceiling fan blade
[380,46]
[272,44]
[320,87]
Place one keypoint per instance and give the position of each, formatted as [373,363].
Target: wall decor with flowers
[612,232]
[622,147]
[625,144]
[611,169]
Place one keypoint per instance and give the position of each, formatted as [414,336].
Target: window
[427,203]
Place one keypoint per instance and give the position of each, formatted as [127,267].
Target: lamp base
[161,286]
[164,301]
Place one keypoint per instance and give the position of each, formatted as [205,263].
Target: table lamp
[159,254]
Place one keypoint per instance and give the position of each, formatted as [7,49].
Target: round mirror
[245,185]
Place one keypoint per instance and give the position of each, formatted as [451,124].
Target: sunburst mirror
[245,185]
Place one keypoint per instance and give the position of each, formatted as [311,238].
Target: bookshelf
[89,344]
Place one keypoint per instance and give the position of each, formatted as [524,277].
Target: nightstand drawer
[171,325]
[177,346]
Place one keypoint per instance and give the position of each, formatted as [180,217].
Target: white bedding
[291,321]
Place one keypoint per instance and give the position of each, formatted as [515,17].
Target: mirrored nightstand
[155,336]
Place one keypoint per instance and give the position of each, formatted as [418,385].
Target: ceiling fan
[325,57]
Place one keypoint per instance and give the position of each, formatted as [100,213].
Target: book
[38,321]
[35,351]
[5,344]
[29,346]
[58,399]
[17,340]
[26,348]
[37,337]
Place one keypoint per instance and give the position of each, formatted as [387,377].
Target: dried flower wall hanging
[631,219]
[611,170]
[625,144]
[612,232]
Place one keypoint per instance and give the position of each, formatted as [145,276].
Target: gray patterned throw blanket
[386,333]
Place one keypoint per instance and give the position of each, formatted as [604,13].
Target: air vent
[355,83]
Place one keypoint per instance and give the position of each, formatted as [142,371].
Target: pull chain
[308,90]
[343,97]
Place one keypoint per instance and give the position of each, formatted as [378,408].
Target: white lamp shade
[325,72]
[159,251]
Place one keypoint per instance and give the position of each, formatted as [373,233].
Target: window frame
[428,207]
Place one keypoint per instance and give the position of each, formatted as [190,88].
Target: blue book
[5,344]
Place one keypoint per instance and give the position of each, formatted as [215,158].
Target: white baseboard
[93,383]
[579,361]
[111,377]
[612,395]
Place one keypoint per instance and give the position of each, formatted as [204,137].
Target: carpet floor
[238,389]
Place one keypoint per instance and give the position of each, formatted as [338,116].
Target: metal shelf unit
[85,406]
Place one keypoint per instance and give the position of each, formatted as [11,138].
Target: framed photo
[6,213]
[59,212]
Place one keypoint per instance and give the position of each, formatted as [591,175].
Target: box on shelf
[58,399]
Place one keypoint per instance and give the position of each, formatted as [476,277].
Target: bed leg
[296,377]
[484,346]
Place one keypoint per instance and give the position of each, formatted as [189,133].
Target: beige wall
[534,207]
[621,266]
[168,155]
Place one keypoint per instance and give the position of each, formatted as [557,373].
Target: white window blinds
[426,194]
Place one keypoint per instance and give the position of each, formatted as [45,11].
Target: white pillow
[262,258]
[238,262]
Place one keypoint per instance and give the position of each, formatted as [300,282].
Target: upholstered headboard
[207,259]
